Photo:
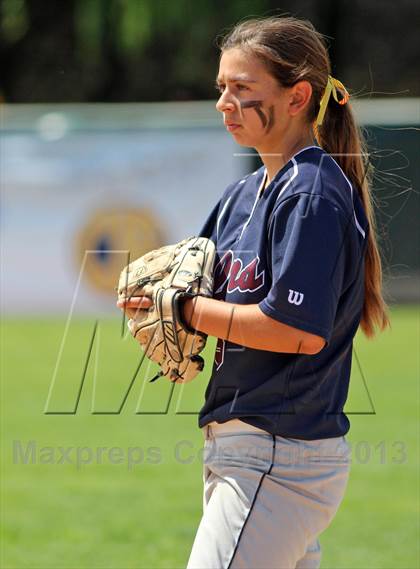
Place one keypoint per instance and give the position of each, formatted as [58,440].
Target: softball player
[298,272]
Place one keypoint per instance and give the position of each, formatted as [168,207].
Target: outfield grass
[144,514]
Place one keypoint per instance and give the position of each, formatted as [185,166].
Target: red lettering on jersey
[229,271]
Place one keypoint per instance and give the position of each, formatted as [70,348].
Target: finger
[135,302]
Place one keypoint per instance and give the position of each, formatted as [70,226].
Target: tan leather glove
[166,276]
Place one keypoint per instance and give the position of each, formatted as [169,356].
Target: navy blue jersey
[295,248]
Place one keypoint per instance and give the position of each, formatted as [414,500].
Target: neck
[274,158]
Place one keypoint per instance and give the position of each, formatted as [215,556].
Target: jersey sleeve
[307,257]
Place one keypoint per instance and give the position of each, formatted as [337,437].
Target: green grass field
[82,507]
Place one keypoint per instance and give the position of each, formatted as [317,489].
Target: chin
[243,140]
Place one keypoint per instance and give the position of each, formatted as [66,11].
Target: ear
[300,95]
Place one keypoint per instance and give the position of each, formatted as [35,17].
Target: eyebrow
[242,78]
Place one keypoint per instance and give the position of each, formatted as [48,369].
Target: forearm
[245,325]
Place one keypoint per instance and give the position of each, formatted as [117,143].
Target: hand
[136,303]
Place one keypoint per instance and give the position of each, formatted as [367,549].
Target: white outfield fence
[81,185]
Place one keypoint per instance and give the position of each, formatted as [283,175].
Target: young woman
[298,272]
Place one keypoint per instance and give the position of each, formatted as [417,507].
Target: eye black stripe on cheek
[271,120]
[257,106]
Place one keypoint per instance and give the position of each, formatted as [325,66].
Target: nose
[225,104]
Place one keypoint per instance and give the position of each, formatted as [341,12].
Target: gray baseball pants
[266,498]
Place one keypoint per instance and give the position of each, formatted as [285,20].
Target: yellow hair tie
[332,86]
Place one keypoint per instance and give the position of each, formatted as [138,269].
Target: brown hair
[294,51]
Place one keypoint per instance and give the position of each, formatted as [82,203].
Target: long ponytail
[294,51]
[340,136]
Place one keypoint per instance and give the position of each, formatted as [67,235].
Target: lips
[231,126]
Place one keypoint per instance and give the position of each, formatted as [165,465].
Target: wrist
[186,311]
